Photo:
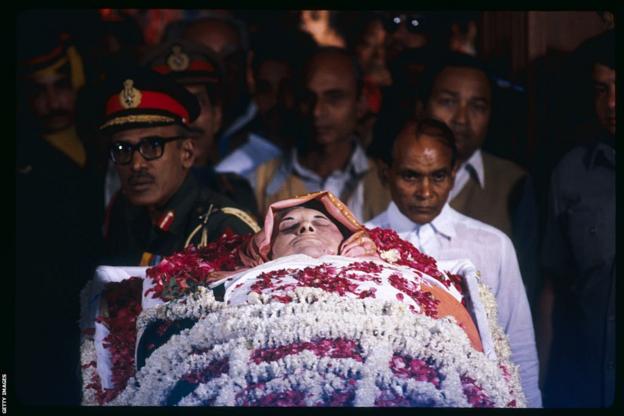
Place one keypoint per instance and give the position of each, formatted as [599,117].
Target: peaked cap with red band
[186,61]
[143,98]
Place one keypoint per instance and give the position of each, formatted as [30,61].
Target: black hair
[599,49]
[451,59]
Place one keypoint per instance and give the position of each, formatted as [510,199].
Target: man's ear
[217,118]
[187,153]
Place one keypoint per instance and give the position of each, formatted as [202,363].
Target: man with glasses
[161,208]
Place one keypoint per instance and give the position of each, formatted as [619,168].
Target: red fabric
[150,100]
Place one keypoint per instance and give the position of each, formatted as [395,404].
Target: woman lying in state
[322,312]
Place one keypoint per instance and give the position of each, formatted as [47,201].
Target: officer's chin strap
[202,226]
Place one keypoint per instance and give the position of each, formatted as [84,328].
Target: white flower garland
[381,328]
[197,304]
[88,357]
[501,343]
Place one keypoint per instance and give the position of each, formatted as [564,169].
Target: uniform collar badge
[166,220]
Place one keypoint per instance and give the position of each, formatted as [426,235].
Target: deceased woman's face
[306,231]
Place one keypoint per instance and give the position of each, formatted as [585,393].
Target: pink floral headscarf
[358,244]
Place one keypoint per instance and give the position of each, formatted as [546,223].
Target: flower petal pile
[182,272]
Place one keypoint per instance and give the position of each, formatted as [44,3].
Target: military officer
[58,214]
[160,208]
[198,69]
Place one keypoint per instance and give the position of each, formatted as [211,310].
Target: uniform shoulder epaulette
[243,216]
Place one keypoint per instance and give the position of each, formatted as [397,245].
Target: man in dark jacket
[161,208]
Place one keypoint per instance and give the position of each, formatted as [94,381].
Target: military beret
[187,62]
[140,97]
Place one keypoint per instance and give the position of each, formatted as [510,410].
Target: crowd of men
[128,152]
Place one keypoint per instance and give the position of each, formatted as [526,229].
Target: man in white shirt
[420,170]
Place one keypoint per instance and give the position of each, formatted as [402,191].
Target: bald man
[329,156]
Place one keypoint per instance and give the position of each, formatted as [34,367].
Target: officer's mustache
[140,177]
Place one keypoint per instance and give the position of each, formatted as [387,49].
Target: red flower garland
[214,369]
[324,347]
[180,273]
[408,367]
[124,306]
[474,393]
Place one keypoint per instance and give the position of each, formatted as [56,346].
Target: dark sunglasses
[151,148]
[413,23]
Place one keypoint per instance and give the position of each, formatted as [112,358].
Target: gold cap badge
[178,60]
[129,97]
